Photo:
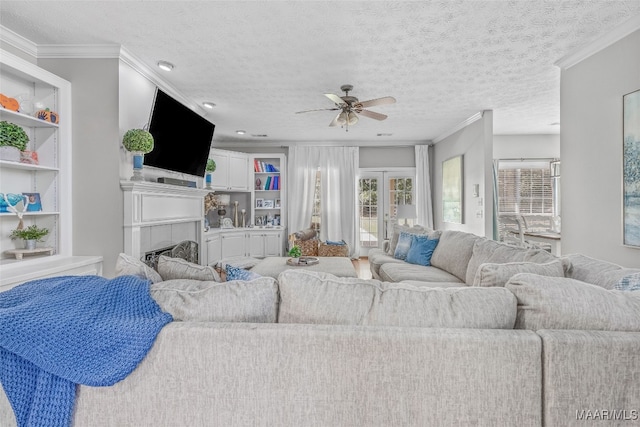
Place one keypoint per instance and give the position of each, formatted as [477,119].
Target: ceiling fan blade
[372,114]
[378,101]
[318,109]
[334,122]
[335,99]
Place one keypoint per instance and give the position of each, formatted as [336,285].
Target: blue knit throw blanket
[62,331]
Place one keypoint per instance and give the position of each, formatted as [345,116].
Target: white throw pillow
[177,268]
[126,265]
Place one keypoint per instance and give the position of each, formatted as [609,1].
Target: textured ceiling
[261,61]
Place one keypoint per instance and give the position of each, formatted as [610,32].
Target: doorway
[379,194]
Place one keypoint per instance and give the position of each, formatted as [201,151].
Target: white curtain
[338,180]
[424,204]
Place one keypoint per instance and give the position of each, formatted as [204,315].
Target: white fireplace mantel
[148,204]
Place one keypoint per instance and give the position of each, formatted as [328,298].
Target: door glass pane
[368,201]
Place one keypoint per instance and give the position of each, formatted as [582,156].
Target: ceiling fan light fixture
[352,118]
[342,119]
[166,66]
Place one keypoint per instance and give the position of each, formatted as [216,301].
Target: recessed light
[208,105]
[166,66]
[241,132]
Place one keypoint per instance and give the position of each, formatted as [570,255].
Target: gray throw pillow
[312,297]
[563,303]
[127,265]
[490,274]
[177,268]
[254,301]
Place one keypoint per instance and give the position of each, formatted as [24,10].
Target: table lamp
[406,212]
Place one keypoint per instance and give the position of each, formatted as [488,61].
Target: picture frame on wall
[35,203]
[452,179]
[631,169]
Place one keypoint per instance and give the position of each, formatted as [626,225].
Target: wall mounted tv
[182,138]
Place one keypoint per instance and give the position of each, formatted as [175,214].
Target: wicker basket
[333,250]
[308,247]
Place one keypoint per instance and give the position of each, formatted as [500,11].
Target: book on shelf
[262,167]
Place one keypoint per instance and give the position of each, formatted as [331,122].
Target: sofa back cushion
[490,251]
[563,303]
[126,265]
[597,272]
[312,297]
[454,251]
[490,274]
[254,301]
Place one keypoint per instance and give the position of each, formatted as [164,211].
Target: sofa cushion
[595,271]
[563,303]
[312,297]
[127,265]
[490,251]
[490,274]
[421,284]
[253,301]
[177,268]
[421,250]
[400,272]
[454,251]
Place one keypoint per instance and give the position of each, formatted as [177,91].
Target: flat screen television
[182,138]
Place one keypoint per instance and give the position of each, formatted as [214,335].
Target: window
[316,213]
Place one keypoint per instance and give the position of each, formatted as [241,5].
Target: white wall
[526,146]
[387,157]
[475,143]
[97,200]
[591,151]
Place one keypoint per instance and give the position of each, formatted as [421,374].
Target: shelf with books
[269,190]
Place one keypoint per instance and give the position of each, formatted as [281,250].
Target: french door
[379,194]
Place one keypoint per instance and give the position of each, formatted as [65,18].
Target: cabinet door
[214,251]
[256,245]
[238,171]
[220,177]
[232,245]
[273,244]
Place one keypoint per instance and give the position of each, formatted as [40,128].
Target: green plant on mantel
[30,233]
[211,165]
[295,252]
[138,141]
[12,135]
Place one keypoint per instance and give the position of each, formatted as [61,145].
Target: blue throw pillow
[630,282]
[236,273]
[421,250]
[402,248]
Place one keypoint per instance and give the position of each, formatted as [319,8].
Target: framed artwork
[35,204]
[276,219]
[452,190]
[631,168]
[268,204]
[277,203]
[259,203]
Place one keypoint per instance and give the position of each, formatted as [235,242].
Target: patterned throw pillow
[421,250]
[629,283]
[235,273]
[403,246]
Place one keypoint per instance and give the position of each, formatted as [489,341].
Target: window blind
[525,188]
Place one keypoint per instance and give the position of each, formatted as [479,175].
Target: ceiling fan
[350,107]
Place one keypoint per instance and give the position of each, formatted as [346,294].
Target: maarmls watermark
[607,414]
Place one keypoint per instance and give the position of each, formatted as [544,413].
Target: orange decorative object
[9,103]
[48,115]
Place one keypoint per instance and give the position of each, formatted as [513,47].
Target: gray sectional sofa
[545,347]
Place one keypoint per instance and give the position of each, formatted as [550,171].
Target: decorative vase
[235,214]
[30,244]
[207,179]
[138,164]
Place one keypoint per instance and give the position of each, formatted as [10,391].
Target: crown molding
[235,144]
[17,41]
[599,44]
[459,126]
[78,51]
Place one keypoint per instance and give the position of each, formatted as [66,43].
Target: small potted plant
[139,142]
[295,254]
[210,168]
[30,235]
[13,140]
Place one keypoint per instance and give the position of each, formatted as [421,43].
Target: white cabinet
[50,178]
[263,243]
[232,244]
[232,170]
[214,250]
